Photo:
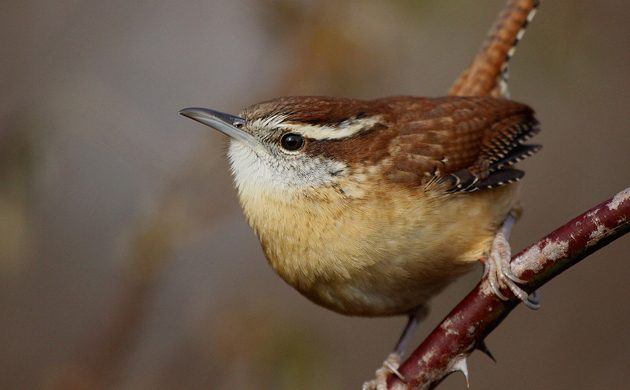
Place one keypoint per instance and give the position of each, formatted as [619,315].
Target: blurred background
[125,261]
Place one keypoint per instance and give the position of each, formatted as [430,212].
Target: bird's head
[296,143]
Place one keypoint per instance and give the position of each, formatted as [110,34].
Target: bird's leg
[498,270]
[414,319]
[392,362]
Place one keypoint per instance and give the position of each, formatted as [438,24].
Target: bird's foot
[498,270]
[389,367]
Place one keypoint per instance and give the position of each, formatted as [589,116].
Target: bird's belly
[386,289]
[385,258]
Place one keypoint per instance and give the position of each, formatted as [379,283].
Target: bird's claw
[389,367]
[499,273]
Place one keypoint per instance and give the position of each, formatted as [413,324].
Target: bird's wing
[463,143]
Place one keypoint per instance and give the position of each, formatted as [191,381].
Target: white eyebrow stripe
[343,130]
[268,122]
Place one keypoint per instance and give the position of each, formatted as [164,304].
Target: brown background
[125,261]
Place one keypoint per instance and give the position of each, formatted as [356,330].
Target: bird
[371,207]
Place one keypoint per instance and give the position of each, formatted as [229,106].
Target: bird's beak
[225,123]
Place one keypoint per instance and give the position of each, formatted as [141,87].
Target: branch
[463,330]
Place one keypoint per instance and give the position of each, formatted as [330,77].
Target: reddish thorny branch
[463,330]
[466,326]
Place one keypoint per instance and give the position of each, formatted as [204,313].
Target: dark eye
[292,141]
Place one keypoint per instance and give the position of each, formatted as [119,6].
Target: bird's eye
[292,141]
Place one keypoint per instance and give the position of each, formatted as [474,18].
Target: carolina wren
[369,208]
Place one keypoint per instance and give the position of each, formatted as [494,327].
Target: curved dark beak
[229,125]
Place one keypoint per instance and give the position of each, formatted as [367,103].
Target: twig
[463,330]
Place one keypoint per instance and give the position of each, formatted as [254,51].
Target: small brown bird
[370,208]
